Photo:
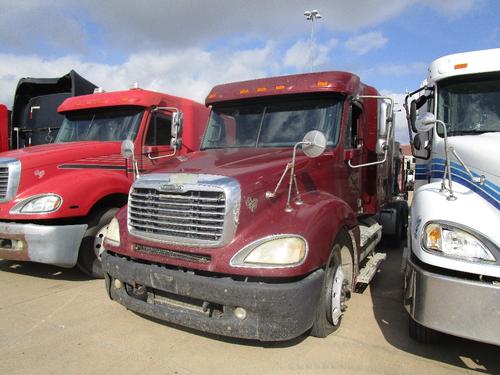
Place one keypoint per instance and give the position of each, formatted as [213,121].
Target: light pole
[311,15]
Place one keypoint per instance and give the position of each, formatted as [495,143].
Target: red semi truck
[262,233]
[56,200]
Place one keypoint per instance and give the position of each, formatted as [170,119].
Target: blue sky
[186,47]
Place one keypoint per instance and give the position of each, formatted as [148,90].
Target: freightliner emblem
[171,188]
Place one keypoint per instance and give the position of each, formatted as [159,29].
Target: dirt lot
[56,321]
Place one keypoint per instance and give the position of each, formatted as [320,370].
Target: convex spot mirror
[314,143]
[425,122]
[127,149]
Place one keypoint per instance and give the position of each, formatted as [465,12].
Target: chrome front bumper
[56,244]
[453,305]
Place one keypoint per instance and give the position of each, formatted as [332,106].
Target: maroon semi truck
[262,233]
[56,200]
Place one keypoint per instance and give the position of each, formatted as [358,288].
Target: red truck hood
[59,153]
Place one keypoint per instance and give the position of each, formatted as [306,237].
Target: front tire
[334,293]
[89,255]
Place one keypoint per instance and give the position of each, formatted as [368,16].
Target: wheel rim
[99,240]
[338,295]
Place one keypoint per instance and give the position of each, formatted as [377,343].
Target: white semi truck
[452,263]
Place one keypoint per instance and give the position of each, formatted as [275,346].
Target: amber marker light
[280,87]
[434,236]
[212,95]
[244,91]
[461,66]
[322,84]
[261,89]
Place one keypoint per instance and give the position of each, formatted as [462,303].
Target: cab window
[159,131]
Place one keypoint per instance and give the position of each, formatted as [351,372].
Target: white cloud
[363,43]
[190,73]
[401,129]
[402,69]
[454,8]
[128,25]
[298,56]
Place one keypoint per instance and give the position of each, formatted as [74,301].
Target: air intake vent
[10,173]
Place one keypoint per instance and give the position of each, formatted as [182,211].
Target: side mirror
[425,122]
[128,149]
[176,130]
[314,143]
[418,143]
[384,117]
[413,115]
[128,154]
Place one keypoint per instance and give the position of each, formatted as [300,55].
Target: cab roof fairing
[132,97]
[333,81]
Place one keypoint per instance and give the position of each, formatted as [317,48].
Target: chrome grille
[191,214]
[4,181]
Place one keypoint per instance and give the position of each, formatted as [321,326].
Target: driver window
[353,125]
[159,131]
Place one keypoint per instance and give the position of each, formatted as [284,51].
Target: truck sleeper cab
[250,237]
[452,277]
[56,200]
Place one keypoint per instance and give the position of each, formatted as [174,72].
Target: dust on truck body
[250,237]
[56,200]
[452,277]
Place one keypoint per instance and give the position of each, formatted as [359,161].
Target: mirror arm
[172,109]
[477,180]
[163,156]
[292,182]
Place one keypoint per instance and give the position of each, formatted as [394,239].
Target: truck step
[370,235]
[367,273]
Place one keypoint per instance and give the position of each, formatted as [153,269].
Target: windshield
[470,105]
[110,124]
[280,124]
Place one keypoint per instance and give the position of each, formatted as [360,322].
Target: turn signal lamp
[433,237]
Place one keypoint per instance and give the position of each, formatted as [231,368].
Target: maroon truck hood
[254,164]
[59,153]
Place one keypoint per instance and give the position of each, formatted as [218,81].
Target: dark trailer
[35,119]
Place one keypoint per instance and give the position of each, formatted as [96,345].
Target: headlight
[455,242]
[113,233]
[272,252]
[38,204]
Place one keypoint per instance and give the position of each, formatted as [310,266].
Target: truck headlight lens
[455,242]
[113,233]
[39,204]
[274,251]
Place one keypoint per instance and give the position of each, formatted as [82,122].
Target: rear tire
[89,255]
[334,292]
[422,334]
